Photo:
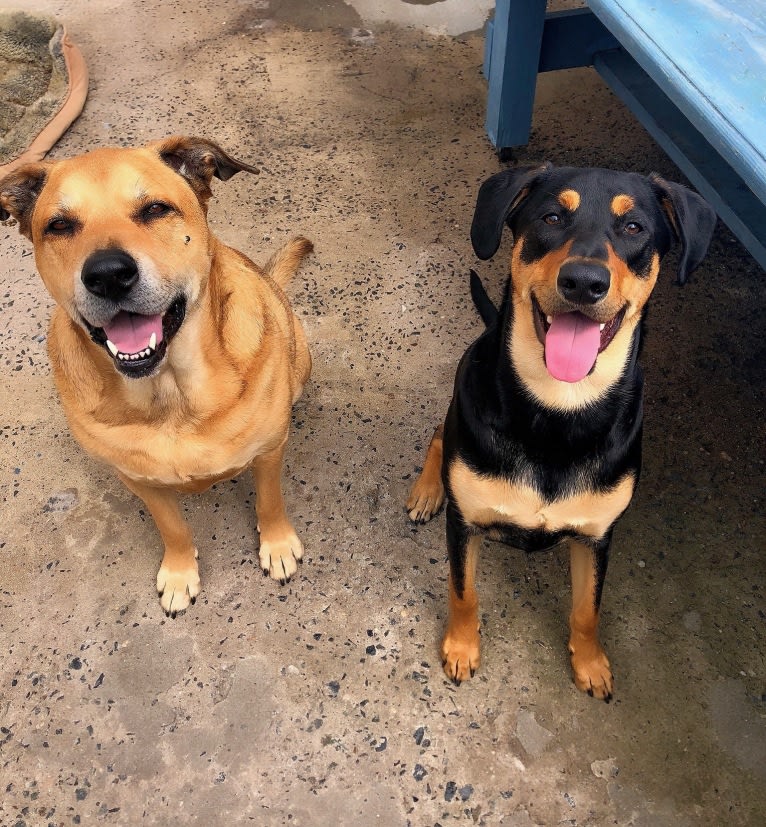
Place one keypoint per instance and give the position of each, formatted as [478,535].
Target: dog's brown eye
[59,226]
[155,210]
[552,218]
[633,228]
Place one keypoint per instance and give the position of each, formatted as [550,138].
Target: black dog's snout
[582,283]
[109,274]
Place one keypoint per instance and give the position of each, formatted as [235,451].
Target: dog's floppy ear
[498,197]
[19,191]
[198,161]
[692,220]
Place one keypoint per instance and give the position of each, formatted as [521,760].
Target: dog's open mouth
[573,341]
[138,343]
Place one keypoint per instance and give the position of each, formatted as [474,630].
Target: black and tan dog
[177,359]
[542,440]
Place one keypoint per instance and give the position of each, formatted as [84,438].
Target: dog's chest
[188,459]
[175,440]
[490,501]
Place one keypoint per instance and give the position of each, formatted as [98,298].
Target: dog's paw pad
[593,674]
[424,502]
[177,588]
[461,657]
[279,558]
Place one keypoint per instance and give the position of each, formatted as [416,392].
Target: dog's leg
[178,580]
[280,550]
[427,494]
[461,644]
[589,661]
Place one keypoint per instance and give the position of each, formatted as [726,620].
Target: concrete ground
[323,702]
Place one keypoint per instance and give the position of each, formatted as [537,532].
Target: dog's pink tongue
[131,332]
[571,346]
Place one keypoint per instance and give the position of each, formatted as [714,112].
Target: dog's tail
[482,301]
[282,265]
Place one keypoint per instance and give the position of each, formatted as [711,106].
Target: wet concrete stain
[325,14]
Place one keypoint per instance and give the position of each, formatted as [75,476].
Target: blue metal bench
[693,72]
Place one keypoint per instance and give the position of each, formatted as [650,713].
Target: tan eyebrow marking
[622,204]
[569,199]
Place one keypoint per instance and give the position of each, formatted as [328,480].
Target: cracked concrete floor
[323,702]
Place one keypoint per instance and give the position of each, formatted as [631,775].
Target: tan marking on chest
[485,501]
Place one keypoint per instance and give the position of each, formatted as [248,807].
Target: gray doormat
[43,86]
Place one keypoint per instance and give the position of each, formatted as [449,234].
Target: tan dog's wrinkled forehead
[100,178]
[116,199]
[108,182]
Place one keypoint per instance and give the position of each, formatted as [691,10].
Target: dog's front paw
[279,556]
[425,500]
[178,587]
[461,654]
[592,673]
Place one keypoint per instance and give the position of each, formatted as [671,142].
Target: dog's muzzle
[137,342]
[572,340]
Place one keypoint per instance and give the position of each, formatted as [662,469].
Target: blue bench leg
[511,64]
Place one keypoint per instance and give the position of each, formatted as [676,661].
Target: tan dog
[177,359]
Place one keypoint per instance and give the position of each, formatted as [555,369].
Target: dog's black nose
[582,283]
[109,274]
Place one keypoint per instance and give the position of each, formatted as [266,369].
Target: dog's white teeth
[601,326]
[549,319]
[132,357]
